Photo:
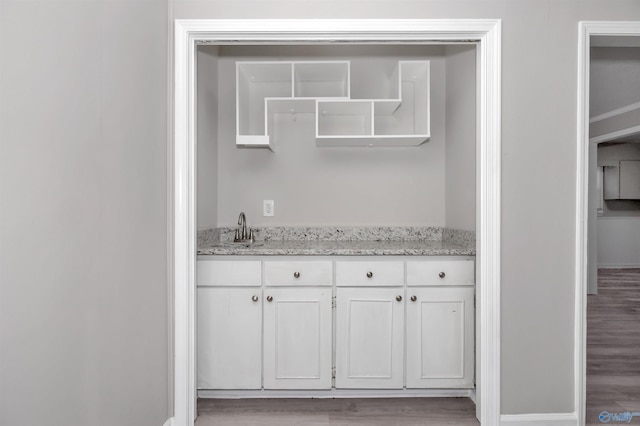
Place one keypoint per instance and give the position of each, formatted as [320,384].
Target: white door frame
[188,33]
[586,29]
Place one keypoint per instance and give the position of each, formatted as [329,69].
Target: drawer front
[298,272]
[369,273]
[440,272]
[244,273]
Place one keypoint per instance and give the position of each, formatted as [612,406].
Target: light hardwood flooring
[613,345]
[334,412]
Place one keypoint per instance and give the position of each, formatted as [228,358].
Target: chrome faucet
[242,236]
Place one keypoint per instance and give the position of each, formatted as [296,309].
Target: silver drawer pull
[269,298]
[296,274]
[441,274]
[254,298]
[369,274]
[399,298]
[414,298]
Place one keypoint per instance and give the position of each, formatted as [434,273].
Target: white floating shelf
[321,79]
[344,118]
[253,141]
[264,89]
[370,141]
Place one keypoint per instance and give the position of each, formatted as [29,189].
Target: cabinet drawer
[440,272]
[369,273]
[298,272]
[247,273]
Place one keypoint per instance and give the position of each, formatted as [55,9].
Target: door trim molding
[485,32]
[586,29]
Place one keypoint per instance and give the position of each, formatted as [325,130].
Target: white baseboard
[337,393]
[169,422]
[543,419]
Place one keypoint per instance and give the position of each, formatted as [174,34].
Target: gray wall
[328,186]
[207,136]
[322,186]
[83,187]
[460,202]
[539,69]
[83,222]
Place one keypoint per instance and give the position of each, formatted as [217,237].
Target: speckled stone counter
[341,241]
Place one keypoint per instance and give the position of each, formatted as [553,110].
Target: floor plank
[613,345]
[339,411]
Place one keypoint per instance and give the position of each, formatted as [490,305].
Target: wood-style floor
[340,411]
[613,345]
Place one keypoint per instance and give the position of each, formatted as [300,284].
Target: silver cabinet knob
[369,274]
[441,274]
[399,298]
[269,298]
[296,274]
[254,298]
[414,298]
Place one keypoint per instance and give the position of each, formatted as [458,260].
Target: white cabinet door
[229,327]
[440,337]
[297,338]
[630,180]
[369,338]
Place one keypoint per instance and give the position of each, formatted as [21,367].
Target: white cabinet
[297,338]
[369,338]
[622,182]
[247,273]
[370,324]
[229,324]
[297,324]
[270,324]
[441,272]
[229,338]
[440,323]
[298,273]
[369,273]
[440,337]
[267,89]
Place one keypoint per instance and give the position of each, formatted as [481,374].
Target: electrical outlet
[267,208]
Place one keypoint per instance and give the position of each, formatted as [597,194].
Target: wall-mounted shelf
[264,89]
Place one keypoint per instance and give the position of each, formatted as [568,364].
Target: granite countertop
[429,241]
[340,248]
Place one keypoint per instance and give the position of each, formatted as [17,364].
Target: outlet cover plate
[267,207]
